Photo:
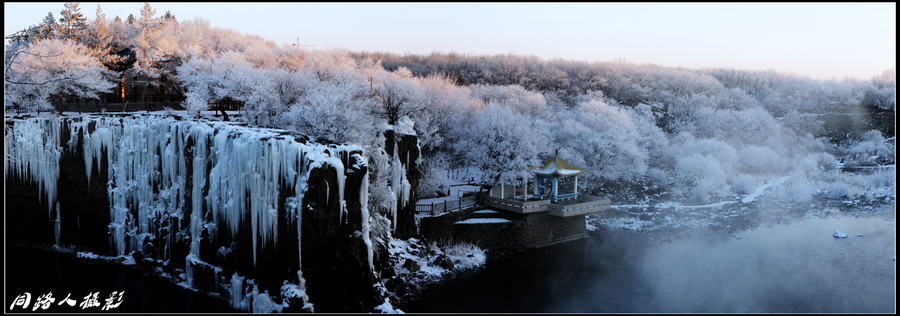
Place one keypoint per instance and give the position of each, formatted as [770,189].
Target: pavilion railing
[446,206]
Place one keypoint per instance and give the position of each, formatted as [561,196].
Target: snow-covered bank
[417,265]
[766,205]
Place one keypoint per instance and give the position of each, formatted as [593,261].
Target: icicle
[364,210]
[56,225]
[32,153]
[199,174]
[146,155]
[237,292]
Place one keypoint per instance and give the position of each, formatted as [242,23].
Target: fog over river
[796,267]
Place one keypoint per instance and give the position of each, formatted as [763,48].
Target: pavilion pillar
[576,185]
[524,188]
[537,184]
[555,187]
[502,191]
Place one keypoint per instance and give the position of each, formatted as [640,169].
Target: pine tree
[49,27]
[130,19]
[101,40]
[72,22]
[148,26]
[169,17]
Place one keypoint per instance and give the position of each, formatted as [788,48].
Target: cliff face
[405,151]
[263,218]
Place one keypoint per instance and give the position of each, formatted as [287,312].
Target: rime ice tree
[36,72]
[335,112]
[603,138]
[397,96]
[503,144]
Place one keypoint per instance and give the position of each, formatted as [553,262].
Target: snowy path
[759,191]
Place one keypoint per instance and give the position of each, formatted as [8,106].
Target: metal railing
[446,206]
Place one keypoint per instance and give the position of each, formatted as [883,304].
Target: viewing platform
[564,206]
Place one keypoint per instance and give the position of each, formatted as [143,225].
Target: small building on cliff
[514,219]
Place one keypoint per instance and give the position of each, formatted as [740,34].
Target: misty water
[798,267]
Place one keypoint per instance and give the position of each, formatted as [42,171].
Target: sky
[820,40]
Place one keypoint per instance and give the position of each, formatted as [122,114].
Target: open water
[794,268]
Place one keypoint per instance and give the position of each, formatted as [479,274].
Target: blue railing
[563,195]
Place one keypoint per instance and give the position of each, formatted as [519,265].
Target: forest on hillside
[698,134]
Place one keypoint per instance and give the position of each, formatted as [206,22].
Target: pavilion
[558,202]
[553,170]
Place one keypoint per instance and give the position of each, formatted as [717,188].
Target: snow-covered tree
[39,71]
[397,97]
[330,64]
[503,144]
[335,112]
[49,28]
[514,96]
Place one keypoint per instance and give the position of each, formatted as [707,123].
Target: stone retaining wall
[523,232]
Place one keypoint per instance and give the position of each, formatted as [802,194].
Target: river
[798,267]
[789,268]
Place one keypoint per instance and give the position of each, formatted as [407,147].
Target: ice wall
[191,179]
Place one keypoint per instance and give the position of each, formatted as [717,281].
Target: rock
[444,262]
[138,256]
[858,235]
[839,234]
[411,265]
[736,236]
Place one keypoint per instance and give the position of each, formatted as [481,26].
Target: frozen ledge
[484,221]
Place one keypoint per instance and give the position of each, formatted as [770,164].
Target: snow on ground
[456,192]
[387,308]
[87,255]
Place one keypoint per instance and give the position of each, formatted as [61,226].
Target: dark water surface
[41,271]
[795,268]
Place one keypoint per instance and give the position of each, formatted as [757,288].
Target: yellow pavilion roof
[557,168]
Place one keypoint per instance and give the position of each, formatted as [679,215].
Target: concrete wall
[525,231]
[543,229]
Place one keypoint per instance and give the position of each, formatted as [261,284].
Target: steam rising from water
[786,268]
